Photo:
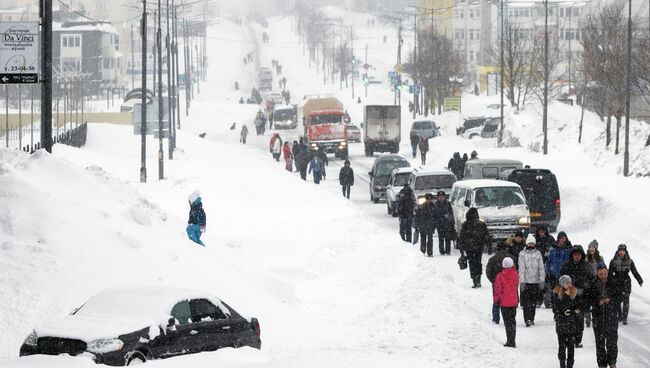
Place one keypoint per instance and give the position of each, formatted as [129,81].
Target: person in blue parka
[317,167]
[197,220]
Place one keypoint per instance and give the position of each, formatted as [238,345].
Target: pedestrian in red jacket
[288,157]
[506,287]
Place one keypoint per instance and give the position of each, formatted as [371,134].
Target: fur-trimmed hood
[573,292]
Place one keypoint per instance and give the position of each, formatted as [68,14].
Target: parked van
[542,195]
[500,204]
[425,128]
[489,168]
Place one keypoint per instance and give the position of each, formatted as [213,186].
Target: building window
[478,34]
[70,40]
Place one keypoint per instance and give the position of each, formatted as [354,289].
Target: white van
[500,204]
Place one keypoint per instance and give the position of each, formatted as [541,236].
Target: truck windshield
[434,182]
[498,197]
[327,119]
[283,115]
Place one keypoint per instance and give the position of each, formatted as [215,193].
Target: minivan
[489,168]
[542,195]
[425,129]
[500,204]
[431,180]
[380,174]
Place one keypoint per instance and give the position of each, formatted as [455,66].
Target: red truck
[323,120]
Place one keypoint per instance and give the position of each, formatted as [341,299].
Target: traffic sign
[392,74]
[19,52]
[416,89]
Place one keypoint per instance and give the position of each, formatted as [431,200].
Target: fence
[75,137]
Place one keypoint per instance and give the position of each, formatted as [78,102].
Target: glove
[541,286]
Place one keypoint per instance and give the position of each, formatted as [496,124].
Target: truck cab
[324,127]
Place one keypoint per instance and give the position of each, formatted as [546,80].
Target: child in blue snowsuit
[318,168]
[197,219]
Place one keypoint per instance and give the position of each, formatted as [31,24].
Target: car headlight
[421,200]
[104,345]
[31,340]
[524,221]
[378,187]
[343,143]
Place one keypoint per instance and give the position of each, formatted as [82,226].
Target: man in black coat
[405,207]
[604,296]
[544,240]
[473,238]
[302,160]
[580,271]
[424,218]
[346,178]
[444,218]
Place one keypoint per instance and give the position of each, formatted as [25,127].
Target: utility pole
[143,99]
[353,59]
[170,117]
[132,61]
[366,71]
[45,13]
[415,66]
[187,73]
[628,76]
[545,115]
[399,59]
[341,59]
[160,96]
[501,66]
[177,100]
[333,53]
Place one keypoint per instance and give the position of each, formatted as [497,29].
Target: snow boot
[528,323]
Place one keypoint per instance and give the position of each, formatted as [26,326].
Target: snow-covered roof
[79,27]
[114,312]
[424,170]
[484,183]
[403,170]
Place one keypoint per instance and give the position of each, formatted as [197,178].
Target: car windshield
[473,123]
[353,127]
[327,119]
[283,114]
[422,125]
[498,197]
[426,182]
[385,168]
[122,305]
[401,179]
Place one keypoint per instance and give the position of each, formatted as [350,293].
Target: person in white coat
[277,147]
[531,278]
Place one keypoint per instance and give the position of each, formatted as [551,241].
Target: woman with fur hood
[531,278]
[619,269]
[567,308]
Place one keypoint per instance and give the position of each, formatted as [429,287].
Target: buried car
[132,325]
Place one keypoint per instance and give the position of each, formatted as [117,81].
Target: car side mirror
[467,203]
[370,174]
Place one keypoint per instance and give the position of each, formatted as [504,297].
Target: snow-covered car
[489,129]
[274,97]
[431,180]
[471,125]
[500,204]
[398,178]
[132,325]
[354,133]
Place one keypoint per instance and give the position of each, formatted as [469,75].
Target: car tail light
[557,204]
[255,324]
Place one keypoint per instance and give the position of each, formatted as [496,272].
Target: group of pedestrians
[581,290]
[457,163]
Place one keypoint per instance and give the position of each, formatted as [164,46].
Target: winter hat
[507,263]
[194,196]
[519,233]
[622,247]
[564,279]
[594,244]
[501,245]
[428,196]
[531,239]
[601,265]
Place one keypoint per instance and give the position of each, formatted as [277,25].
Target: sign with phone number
[19,52]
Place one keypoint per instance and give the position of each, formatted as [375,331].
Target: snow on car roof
[117,311]
[483,183]
[423,170]
[401,170]
[498,161]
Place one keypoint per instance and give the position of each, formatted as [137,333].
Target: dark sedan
[129,326]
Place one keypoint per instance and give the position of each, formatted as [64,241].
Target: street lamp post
[160,96]
[143,99]
[628,76]
[545,114]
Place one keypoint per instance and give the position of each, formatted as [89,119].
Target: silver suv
[431,180]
